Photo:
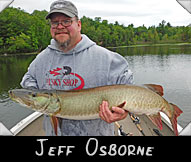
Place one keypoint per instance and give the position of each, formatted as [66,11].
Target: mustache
[61,32]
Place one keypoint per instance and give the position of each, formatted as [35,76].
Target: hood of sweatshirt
[62,67]
[82,45]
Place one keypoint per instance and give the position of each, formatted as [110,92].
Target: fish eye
[34,95]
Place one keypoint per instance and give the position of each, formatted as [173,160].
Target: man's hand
[110,117]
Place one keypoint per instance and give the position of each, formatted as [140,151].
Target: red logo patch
[61,78]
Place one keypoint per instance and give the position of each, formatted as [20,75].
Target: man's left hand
[109,116]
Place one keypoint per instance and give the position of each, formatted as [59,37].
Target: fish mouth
[20,98]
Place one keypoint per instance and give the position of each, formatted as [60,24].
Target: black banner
[94,148]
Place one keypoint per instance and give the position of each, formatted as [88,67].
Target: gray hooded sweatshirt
[85,66]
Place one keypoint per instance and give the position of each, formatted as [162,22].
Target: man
[73,61]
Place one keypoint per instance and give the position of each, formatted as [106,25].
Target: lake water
[168,65]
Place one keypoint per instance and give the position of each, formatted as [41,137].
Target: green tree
[20,43]
[1,42]
[1,45]
[30,32]
[24,32]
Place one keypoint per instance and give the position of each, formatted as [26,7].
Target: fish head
[31,98]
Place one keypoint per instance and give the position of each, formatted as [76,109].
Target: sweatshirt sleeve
[119,72]
[28,79]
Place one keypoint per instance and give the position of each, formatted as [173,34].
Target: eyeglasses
[65,23]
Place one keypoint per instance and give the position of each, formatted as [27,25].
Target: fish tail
[175,111]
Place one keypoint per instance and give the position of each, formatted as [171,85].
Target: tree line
[21,32]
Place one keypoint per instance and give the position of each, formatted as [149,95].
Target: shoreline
[157,44]
[18,54]
[130,46]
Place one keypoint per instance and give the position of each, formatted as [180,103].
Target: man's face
[66,36]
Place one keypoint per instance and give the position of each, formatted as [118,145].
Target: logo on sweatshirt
[63,77]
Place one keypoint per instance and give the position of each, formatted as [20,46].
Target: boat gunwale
[25,122]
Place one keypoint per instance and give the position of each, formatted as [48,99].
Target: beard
[63,44]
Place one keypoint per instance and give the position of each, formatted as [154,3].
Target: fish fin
[122,105]
[155,88]
[156,119]
[175,113]
[54,122]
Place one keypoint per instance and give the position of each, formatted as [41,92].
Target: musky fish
[84,104]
